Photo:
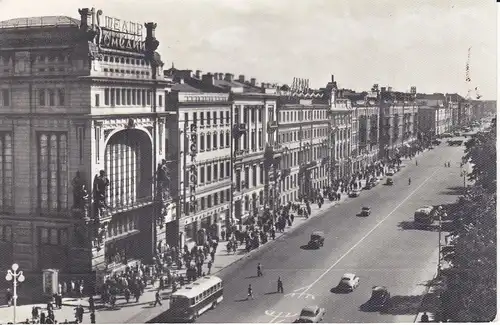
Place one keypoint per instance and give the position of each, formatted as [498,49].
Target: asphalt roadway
[382,249]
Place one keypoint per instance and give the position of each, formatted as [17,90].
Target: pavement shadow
[308,248]
[271,293]
[455,190]
[252,277]
[241,300]
[404,305]
[410,225]
[337,290]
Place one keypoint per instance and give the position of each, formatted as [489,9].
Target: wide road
[382,249]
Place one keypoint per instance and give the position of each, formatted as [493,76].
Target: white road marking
[276,317]
[368,233]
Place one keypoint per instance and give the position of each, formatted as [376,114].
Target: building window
[113,96]
[221,139]
[52,172]
[209,173]
[227,117]
[41,97]
[221,168]
[6,233]
[202,175]
[216,172]
[202,142]
[129,95]
[254,176]
[208,118]
[97,100]
[228,169]
[106,96]
[202,118]
[52,99]
[215,118]
[5,97]
[61,97]
[118,96]
[209,142]
[214,136]
[148,98]
[133,97]
[261,174]
[6,172]
[160,101]
[228,140]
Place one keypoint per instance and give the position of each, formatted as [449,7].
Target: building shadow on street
[455,190]
[410,225]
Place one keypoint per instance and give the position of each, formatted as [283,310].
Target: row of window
[257,171]
[126,71]
[214,141]
[53,236]
[296,157]
[123,60]
[122,225]
[215,199]
[214,117]
[128,97]
[51,97]
[254,140]
[299,116]
[213,172]
[307,134]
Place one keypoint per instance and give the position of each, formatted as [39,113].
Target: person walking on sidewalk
[259,270]
[92,317]
[280,285]
[209,265]
[424,318]
[92,303]
[157,298]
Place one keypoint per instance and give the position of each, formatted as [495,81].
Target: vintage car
[317,239]
[311,314]
[348,282]
[389,181]
[365,211]
[354,193]
[390,172]
[379,299]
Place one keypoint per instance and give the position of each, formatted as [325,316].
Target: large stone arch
[128,162]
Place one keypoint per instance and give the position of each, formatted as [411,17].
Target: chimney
[229,77]
[198,74]
[413,90]
[382,89]
[333,78]
[241,78]
[208,79]
[220,76]
[389,89]
[253,81]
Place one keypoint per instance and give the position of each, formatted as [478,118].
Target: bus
[194,299]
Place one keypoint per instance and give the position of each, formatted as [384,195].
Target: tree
[471,283]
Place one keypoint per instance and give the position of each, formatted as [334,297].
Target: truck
[424,217]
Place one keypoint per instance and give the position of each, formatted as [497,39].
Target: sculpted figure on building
[80,195]
[101,182]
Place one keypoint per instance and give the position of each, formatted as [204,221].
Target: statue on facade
[101,182]
[80,196]
[163,182]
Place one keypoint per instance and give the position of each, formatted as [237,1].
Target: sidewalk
[144,310]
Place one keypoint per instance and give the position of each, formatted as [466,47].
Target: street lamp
[15,276]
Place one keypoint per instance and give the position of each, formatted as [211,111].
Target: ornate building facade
[84,108]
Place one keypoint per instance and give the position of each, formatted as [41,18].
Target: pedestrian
[424,318]
[157,298]
[8,297]
[91,304]
[280,285]
[250,292]
[259,270]
[209,265]
[92,318]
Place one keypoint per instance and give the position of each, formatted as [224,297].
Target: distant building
[456,106]
[398,123]
[434,114]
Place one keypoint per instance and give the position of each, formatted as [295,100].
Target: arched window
[214,137]
[228,139]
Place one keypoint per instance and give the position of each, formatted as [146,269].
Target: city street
[382,249]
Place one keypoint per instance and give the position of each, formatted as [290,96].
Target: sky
[397,43]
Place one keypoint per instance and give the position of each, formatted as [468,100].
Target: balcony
[272,125]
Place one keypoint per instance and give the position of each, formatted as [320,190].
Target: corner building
[82,130]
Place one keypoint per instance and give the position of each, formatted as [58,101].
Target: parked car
[369,185]
[365,211]
[379,299]
[389,181]
[354,193]
[317,239]
[311,314]
[390,172]
[348,282]
[436,142]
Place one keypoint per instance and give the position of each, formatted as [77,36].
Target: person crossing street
[259,270]
[280,285]
[250,292]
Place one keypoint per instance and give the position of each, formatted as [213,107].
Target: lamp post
[463,173]
[15,276]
